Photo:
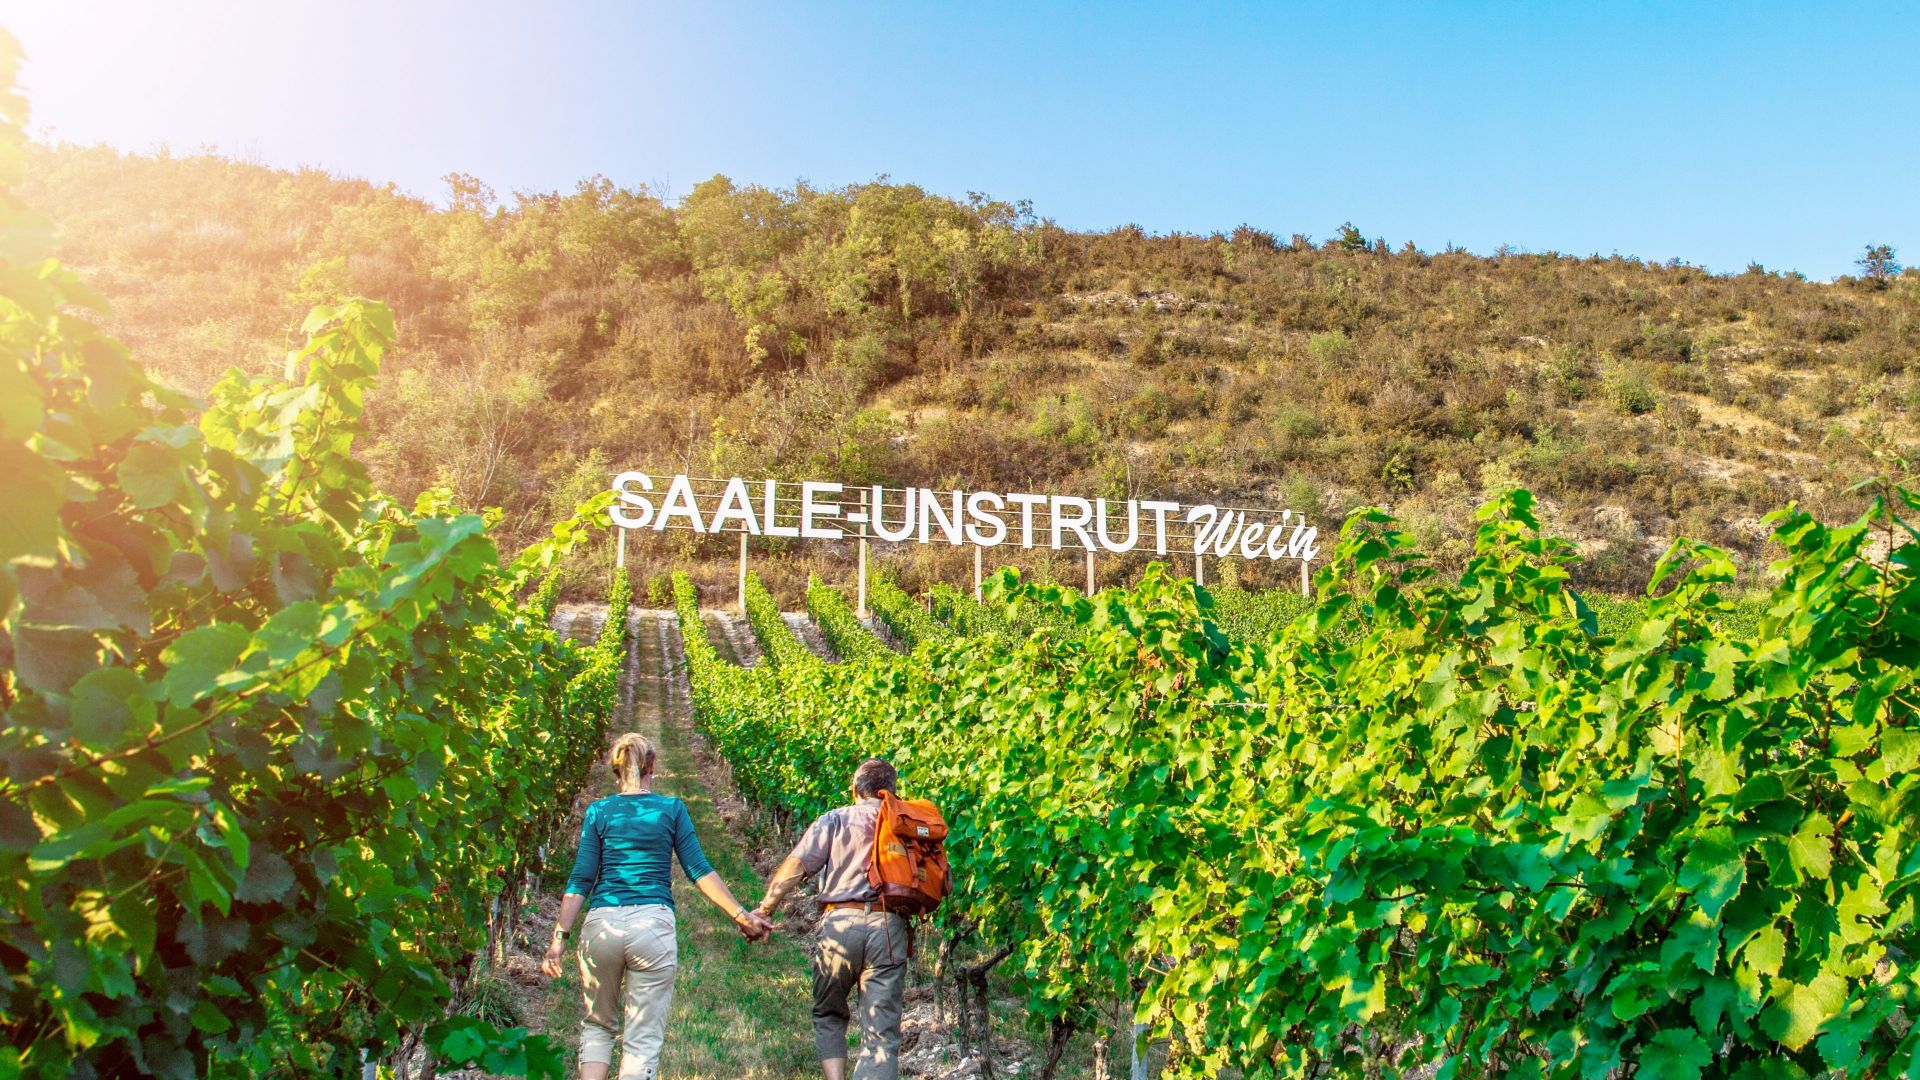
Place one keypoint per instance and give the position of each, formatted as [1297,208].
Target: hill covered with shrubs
[880,333]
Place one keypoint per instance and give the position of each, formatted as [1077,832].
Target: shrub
[1629,393]
[1330,348]
[1570,373]
[1148,348]
[1298,423]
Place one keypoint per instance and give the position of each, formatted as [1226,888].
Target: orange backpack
[909,865]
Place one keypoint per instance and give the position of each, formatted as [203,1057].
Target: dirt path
[733,636]
[579,622]
[739,1010]
[810,635]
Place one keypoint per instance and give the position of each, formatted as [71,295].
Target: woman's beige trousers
[627,958]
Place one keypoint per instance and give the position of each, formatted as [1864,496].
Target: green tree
[1877,263]
[738,238]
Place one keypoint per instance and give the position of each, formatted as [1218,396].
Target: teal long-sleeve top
[627,848]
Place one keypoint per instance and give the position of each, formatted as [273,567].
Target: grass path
[740,1012]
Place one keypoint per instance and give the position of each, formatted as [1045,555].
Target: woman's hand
[753,925]
[570,904]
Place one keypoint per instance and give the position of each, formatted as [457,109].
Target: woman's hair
[874,776]
[632,758]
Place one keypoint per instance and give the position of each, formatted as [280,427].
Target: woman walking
[623,875]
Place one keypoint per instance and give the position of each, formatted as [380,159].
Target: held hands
[753,925]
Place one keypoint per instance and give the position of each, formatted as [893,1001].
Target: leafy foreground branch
[1430,822]
[276,750]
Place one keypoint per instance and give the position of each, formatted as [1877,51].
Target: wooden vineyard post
[978,559]
[1138,1069]
[742,594]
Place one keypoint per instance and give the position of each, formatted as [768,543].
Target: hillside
[881,333]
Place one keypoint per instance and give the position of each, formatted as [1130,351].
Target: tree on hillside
[1351,238]
[602,233]
[737,238]
[1878,263]
[1248,238]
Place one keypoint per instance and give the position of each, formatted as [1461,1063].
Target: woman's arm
[686,846]
[580,883]
[569,910]
[751,925]
[586,859]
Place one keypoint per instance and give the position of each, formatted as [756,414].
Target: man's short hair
[873,777]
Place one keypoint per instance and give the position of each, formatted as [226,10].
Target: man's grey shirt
[838,847]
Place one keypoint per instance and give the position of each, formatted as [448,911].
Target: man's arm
[791,873]
[806,859]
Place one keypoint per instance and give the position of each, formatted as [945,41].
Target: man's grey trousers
[864,951]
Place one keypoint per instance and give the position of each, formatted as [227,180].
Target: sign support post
[743,573]
[1199,569]
[861,609]
[1306,580]
[978,594]
[620,551]
[866,521]
[1089,571]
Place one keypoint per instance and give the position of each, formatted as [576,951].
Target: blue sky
[1720,134]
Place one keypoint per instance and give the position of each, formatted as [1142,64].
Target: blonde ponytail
[632,760]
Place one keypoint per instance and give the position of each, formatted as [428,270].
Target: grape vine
[778,643]
[850,638]
[1429,822]
[276,748]
[903,615]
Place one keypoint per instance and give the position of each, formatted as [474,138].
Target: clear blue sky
[1787,134]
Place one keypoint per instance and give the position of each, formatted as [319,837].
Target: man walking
[859,945]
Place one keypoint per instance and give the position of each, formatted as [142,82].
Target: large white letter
[1249,536]
[905,531]
[637,518]
[931,511]
[977,510]
[1204,516]
[1076,524]
[1026,503]
[1231,522]
[1301,544]
[680,503]
[1133,527]
[809,508]
[1217,530]
[769,508]
[1159,511]
[1276,540]
[736,503]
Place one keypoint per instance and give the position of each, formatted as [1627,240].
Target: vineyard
[283,757]
[1470,824]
